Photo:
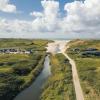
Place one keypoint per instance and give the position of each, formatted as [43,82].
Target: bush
[22,71]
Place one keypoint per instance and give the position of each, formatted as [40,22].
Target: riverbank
[60,85]
[34,90]
[18,71]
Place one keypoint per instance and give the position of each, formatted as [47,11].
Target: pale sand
[56,46]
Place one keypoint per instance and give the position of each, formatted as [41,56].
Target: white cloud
[5,6]
[15,26]
[36,14]
[82,19]
[49,18]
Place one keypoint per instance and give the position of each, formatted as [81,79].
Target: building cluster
[88,51]
[14,51]
[91,52]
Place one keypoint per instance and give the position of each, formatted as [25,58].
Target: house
[14,51]
[76,49]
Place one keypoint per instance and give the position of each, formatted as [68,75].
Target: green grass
[24,44]
[18,71]
[88,68]
[59,86]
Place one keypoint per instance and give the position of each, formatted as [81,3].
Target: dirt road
[78,89]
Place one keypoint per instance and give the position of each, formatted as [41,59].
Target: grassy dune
[17,71]
[59,86]
[88,67]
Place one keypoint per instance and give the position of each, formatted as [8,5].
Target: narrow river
[34,91]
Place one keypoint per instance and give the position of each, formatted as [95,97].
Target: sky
[50,19]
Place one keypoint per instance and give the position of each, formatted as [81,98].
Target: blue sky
[31,5]
[27,6]
[50,18]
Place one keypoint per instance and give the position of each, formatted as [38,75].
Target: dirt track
[78,89]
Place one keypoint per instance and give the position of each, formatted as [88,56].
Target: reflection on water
[34,91]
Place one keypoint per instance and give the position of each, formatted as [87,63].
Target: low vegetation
[88,67]
[59,85]
[18,71]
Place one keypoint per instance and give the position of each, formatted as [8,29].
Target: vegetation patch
[88,67]
[18,71]
[59,86]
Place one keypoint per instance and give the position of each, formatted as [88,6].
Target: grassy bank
[88,67]
[18,71]
[59,86]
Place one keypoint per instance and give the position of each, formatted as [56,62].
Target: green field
[59,86]
[18,71]
[88,67]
